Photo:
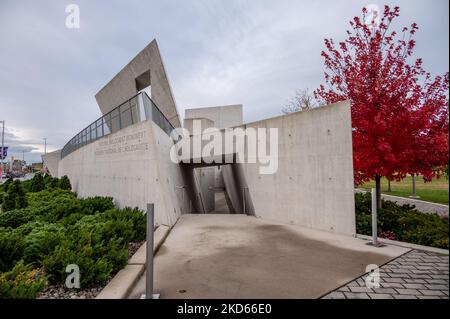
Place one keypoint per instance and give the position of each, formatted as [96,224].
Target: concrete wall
[206,179]
[313,186]
[123,86]
[51,161]
[204,124]
[132,166]
[222,116]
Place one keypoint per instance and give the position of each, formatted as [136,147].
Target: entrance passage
[217,189]
[220,203]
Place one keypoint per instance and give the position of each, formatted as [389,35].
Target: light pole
[45,145]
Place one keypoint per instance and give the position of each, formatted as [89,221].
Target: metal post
[374,218]
[243,199]
[414,195]
[149,270]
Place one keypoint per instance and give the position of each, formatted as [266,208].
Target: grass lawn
[435,191]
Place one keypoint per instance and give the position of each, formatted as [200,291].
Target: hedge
[56,229]
[402,222]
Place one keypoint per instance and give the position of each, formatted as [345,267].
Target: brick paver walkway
[415,275]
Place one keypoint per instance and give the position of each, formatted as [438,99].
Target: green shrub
[135,216]
[4,187]
[25,229]
[22,282]
[92,270]
[37,183]
[64,183]
[53,183]
[41,241]
[98,203]
[58,229]
[15,218]
[12,246]
[404,222]
[15,197]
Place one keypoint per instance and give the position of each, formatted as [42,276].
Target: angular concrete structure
[51,162]
[146,69]
[126,154]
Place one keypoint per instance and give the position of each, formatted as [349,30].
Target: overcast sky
[216,52]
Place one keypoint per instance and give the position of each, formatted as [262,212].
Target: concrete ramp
[238,256]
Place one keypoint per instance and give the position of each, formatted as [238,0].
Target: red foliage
[399,112]
[388,235]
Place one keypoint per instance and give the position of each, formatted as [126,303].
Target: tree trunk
[389,186]
[378,190]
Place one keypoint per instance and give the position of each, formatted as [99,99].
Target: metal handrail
[139,107]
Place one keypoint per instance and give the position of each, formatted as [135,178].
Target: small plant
[387,234]
[22,282]
[12,246]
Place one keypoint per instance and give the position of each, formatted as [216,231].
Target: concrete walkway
[423,206]
[238,256]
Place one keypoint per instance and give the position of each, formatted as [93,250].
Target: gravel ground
[133,247]
[61,292]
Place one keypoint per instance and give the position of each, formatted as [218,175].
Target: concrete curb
[120,286]
[139,258]
[407,245]
[124,281]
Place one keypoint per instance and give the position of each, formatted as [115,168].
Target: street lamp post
[45,145]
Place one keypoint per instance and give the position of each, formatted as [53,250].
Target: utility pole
[45,145]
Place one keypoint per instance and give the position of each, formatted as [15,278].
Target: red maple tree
[399,112]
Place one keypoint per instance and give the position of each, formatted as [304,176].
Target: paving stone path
[414,275]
